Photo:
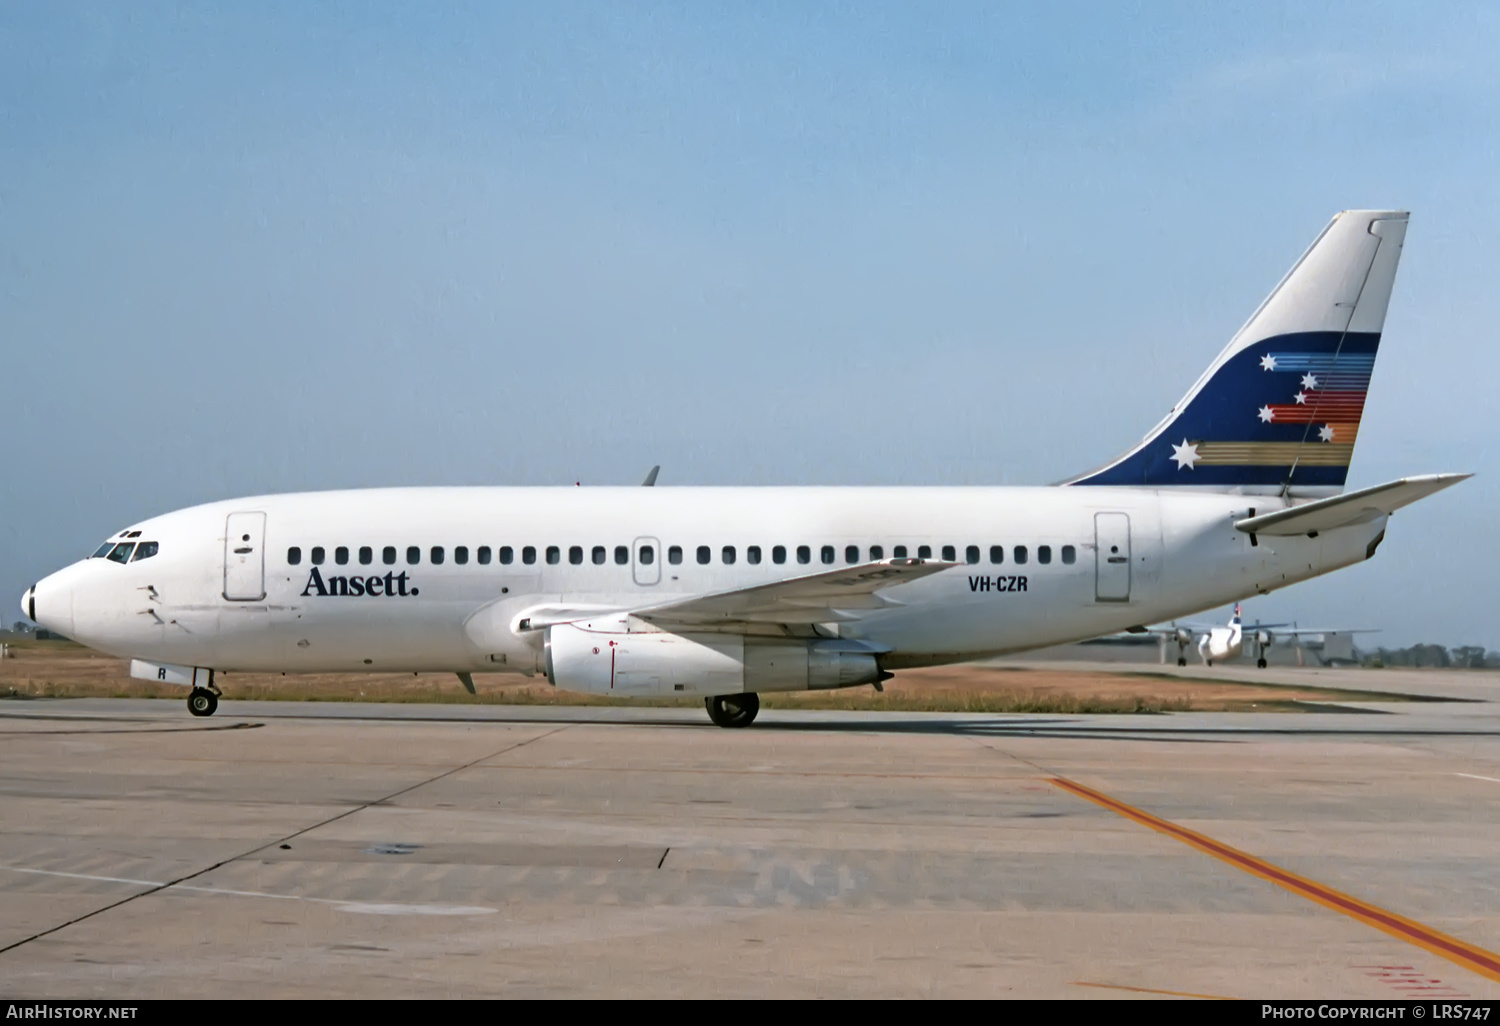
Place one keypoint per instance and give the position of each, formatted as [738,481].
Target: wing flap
[1359,507]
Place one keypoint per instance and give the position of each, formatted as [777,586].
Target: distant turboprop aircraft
[1226,641]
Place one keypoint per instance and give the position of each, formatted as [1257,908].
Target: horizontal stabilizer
[1359,507]
[817,598]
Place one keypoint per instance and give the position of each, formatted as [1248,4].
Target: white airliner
[725,593]
[1223,642]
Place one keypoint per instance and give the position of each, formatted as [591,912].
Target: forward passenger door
[245,557]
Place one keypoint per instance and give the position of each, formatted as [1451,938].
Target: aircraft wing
[1359,507]
[1294,631]
[826,597]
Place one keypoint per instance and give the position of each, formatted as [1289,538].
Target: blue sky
[250,248]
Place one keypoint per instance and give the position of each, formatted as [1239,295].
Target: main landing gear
[203,702]
[733,710]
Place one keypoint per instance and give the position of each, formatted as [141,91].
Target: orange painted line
[1475,959]
[1148,990]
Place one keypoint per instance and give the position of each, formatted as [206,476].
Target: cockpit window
[145,550]
[102,550]
[121,552]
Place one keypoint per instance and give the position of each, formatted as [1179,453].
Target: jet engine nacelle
[661,663]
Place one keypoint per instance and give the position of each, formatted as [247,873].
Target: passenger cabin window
[293,556]
[507,555]
[341,555]
[600,555]
[851,553]
[317,555]
[1020,554]
[949,554]
[482,555]
[145,550]
[899,552]
[778,554]
[804,554]
[554,555]
[121,552]
[575,555]
[102,550]
[1044,553]
[528,555]
[997,553]
[460,554]
[924,551]
[827,554]
[388,555]
[366,555]
[413,555]
[437,555]
[622,555]
[704,553]
[877,552]
[647,555]
[728,555]
[971,554]
[752,554]
[1069,554]
[674,555]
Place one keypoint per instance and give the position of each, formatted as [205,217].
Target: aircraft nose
[49,603]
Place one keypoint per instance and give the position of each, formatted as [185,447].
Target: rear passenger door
[245,557]
[1112,557]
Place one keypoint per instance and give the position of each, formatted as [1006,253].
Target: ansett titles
[392,585]
[1001,583]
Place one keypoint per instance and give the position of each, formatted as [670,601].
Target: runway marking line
[1476,776]
[1475,959]
[1150,990]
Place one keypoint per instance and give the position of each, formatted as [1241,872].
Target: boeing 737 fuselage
[728,592]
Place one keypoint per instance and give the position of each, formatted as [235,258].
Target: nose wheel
[733,710]
[202,702]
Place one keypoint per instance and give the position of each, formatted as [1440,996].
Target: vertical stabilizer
[1281,406]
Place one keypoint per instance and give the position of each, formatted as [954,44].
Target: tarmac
[375,851]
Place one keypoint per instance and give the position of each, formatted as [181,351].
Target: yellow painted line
[1475,959]
[1148,990]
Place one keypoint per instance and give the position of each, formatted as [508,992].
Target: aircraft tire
[733,710]
[1181,661]
[1261,663]
[202,702]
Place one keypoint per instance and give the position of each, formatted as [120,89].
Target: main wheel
[733,710]
[1181,661]
[1261,662]
[202,702]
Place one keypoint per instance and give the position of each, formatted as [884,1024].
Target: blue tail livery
[1279,409]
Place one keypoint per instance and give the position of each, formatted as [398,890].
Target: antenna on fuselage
[650,481]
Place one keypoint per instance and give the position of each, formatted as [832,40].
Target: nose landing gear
[202,702]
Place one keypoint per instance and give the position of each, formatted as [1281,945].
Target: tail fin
[1280,407]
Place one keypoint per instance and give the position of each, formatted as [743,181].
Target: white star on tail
[1309,381]
[1326,432]
[1267,414]
[1268,362]
[1185,454]
[1301,397]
